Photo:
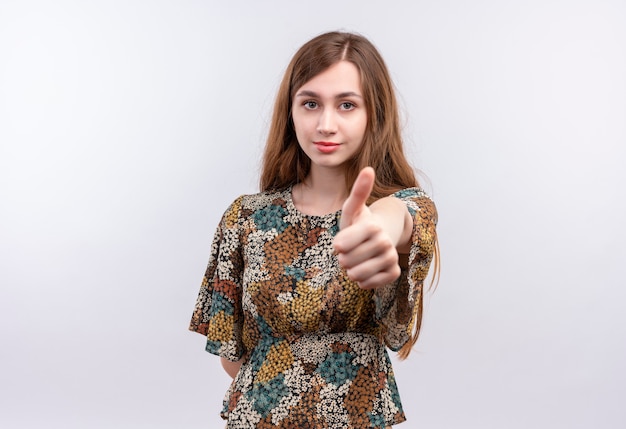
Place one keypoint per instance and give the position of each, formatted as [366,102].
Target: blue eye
[310,104]
[347,106]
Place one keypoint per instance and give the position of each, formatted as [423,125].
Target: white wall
[126,127]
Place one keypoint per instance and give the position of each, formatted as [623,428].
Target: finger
[378,280]
[354,248]
[368,276]
[354,235]
[383,264]
[359,194]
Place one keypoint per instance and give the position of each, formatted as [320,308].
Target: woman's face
[330,117]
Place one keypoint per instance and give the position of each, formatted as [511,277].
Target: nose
[327,124]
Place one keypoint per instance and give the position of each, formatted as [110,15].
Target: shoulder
[418,202]
[264,199]
[248,204]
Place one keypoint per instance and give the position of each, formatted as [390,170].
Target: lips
[326,147]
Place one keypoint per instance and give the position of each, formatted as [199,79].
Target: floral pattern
[313,343]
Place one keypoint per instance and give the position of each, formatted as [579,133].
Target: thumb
[359,194]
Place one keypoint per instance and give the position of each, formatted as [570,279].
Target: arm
[218,314]
[371,238]
[395,220]
[231,368]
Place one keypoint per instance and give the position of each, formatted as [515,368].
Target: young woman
[310,280]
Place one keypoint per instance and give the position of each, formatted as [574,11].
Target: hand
[363,247]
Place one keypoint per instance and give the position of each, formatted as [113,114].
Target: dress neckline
[292,207]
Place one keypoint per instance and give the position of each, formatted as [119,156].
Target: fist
[364,249]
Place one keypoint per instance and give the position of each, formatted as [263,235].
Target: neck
[322,192]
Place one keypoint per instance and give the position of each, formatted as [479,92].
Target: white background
[127,127]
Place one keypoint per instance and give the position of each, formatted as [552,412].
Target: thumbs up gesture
[368,237]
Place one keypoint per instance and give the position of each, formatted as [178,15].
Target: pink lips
[326,147]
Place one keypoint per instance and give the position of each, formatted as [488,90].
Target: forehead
[341,77]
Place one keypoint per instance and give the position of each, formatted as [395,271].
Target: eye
[346,105]
[310,104]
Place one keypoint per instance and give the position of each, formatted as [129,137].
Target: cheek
[300,127]
[299,124]
[362,126]
[300,134]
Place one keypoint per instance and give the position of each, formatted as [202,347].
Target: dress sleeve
[218,312]
[397,304]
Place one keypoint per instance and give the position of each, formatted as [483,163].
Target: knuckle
[396,272]
[373,228]
[391,258]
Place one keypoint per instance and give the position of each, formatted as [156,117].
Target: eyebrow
[313,94]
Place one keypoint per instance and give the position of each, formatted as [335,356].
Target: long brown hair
[285,164]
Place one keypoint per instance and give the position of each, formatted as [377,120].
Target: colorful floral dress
[313,343]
